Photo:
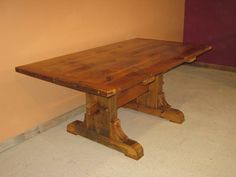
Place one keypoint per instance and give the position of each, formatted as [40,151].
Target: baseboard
[9,143]
[214,66]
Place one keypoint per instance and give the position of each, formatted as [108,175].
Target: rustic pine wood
[128,74]
[102,125]
[110,69]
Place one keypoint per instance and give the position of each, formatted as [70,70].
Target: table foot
[128,146]
[170,114]
[153,102]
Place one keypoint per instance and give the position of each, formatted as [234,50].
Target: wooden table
[125,74]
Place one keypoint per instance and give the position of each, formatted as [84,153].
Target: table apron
[130,94]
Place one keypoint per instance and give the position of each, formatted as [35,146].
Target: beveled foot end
[173,115]
[132,149]
[129,147]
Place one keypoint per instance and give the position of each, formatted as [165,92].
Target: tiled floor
[203,146]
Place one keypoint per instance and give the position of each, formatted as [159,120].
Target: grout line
[9,143]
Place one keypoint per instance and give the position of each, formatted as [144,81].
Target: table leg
[102,125]
[154,102]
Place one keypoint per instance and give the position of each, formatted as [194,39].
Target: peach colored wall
[33,30]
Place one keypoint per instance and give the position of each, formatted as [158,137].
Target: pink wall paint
[212,22]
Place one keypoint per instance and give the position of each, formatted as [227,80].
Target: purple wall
[212,22]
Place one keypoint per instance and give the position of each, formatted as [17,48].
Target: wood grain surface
[113,68]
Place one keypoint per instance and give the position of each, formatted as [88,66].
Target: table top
[110,69]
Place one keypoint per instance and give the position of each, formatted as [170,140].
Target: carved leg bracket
[102,125]
[171,114]
[153,102]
